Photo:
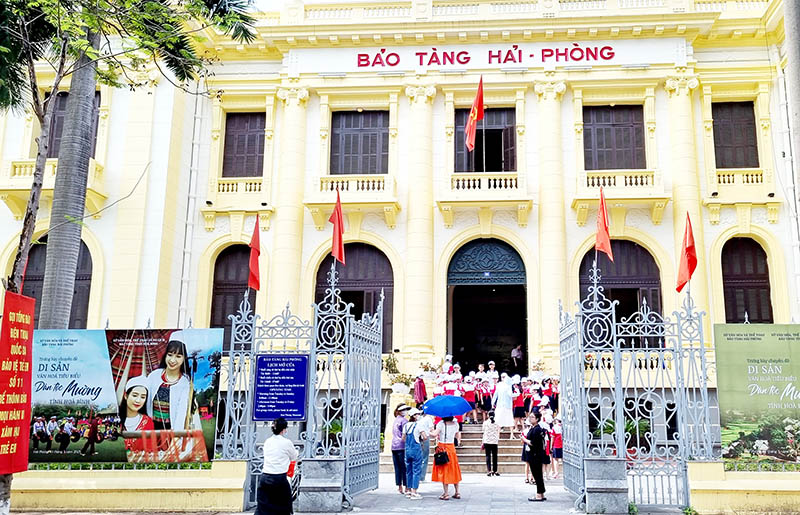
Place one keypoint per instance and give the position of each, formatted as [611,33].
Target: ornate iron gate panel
[638,387]
[343,404]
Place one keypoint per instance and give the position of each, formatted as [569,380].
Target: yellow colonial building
[671,106]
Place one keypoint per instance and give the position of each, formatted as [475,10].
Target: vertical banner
[15,381]
[758,383]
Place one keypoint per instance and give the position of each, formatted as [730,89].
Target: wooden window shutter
[509,149]
[244,145]
[745,282]
[464,160]
[230,281]
[359,142]
[95,122]
[735,141]
[613,137]
[59,107]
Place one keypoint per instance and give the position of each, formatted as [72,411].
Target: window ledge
[15,186]
[622,189]
[358,193]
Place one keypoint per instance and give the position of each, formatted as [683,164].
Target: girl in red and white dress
[468,392]
[133,413]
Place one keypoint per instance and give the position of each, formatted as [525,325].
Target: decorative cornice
[421,93]
[681,85]
[550,90]
[296,95]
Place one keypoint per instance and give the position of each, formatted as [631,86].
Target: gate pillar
[606,485]
[321,486]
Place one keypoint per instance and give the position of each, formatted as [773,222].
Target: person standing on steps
[491,438]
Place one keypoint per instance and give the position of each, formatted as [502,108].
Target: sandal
[444,497]
[527,481]
[456,496]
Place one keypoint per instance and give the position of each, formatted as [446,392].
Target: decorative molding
[714,213]
[744,214]
[485,220]
[550,90]
[354,220]
[297,96]
[677,86]
[421,94]
[773,209]
[485,261]
[447,215]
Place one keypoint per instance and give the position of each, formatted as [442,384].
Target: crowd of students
[526,406]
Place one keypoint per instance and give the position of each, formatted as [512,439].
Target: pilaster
[419,257]
[552,221]
[126,267]
[286,263]
[686,183]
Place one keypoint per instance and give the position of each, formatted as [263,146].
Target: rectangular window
[613,137]
[735,142]
[497,131]
[59,108]
[359,142]
[244,145]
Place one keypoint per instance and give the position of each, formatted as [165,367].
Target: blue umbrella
[446,406]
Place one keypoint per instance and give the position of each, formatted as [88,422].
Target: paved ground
[504,495]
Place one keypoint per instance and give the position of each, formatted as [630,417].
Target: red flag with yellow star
[475,114]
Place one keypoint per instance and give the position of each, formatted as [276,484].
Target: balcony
[486,192]
[351,11]
[622,189]
[358,193]
[235,196]
[15,185]
[743,188]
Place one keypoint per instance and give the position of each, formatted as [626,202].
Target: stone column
[283,282]
[686,185]
[552,221]
[419,256]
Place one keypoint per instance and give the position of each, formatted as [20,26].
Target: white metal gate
[635,387]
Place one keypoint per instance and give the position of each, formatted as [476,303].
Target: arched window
[368,271]
[34,280]
[631,278]
[230,281]
[745,282]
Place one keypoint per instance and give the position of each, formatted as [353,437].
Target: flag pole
[483,132]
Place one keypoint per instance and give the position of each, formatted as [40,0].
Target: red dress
[137,444]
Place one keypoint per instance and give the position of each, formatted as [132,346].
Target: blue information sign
[280,389]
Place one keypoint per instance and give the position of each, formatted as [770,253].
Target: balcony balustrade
[743,188]
[485,191]
[235,196]
[358,193]
[15,185]
[622,189]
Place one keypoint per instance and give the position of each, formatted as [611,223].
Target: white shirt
[131,423]
[447,432]
[425,424]
[279,451]
[492,374]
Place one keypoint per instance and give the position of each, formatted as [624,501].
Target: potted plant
[402,383]
[639,426]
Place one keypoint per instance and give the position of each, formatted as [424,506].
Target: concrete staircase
[472,459]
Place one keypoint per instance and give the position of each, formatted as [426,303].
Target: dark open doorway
[487,315]
[488,322]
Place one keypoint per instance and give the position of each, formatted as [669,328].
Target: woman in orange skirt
[449,473]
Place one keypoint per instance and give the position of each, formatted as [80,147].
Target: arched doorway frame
[531,262]
[666,267]
[205,278]
[778,280]
[398,276]
[95,308]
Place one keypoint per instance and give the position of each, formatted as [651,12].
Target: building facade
[671,106]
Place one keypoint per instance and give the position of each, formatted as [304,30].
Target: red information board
[16,354]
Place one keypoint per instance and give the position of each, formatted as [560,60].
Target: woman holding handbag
[536,440]
[445,461]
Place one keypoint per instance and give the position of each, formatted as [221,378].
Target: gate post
[606,485]
[321,485]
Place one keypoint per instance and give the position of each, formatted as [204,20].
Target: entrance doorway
[487,308]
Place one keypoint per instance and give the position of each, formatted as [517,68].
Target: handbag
[440,457]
